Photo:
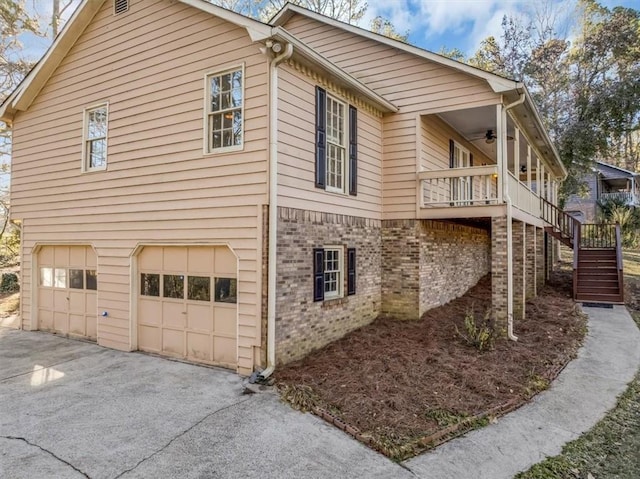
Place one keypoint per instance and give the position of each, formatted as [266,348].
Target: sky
[431,24]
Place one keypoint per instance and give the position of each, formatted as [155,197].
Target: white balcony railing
[472,186]
[522,197]
[626,196]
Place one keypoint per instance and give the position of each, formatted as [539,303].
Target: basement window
[120,6]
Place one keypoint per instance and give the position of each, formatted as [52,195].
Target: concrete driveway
[72,409]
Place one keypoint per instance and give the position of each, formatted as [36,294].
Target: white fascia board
[498,84]
[37,77]
[257,30]
[300,48]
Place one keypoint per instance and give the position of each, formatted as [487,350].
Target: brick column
[540,273]
[518,252]
[530,258]
[499,270]
[401,269]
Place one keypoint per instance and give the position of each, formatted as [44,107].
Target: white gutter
[273,204]
[507,198]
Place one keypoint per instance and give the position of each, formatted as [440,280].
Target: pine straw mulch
[402,387]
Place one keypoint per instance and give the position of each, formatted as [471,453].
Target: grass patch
[612,448]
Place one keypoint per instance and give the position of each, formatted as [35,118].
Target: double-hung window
[329,272]
[225,100]
[95,138]
[336,144]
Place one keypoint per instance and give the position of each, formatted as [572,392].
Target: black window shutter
[451,153]
[351,271]
[353,150]
[318,274]
[321,137]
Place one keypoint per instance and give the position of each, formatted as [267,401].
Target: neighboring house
[201,185]
[605,182]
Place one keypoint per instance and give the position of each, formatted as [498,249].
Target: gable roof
[497,82]
[26,91]
[618,173]
[511,89]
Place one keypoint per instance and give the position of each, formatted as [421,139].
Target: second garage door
[67,290]
[187,303]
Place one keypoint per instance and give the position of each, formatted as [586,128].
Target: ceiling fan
[489,137]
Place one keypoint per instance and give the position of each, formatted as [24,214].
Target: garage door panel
[225,321]
[174,259]
[45,298]
[199,317]
[91,304]
[45,256]
[199,346]
[150,258]
[77,256]
[200,260]
[77,302]
[77,324]
[225,262]
[150,312]
[188,321]
[46,320]
[173,315]
[61,256]
[60,321]
[60,303]
[150,338]
[61,308]
[173,341]
[224,350]
[92,329]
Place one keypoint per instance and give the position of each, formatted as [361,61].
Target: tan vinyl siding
[296,153]
[159,187]
[414,84]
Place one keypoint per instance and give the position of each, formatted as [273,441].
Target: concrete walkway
[70,409]
[577,400]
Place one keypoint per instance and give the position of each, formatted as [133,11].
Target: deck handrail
[598,236]
[562,221]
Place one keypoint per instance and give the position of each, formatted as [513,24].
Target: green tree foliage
[587,90]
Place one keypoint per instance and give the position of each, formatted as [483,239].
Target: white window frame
[343,147]
[207,143]
[86,158]
[339,293]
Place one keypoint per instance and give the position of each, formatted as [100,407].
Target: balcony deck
[474,192]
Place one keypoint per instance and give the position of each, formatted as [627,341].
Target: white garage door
[187,303]
[67,290]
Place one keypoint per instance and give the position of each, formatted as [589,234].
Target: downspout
[273,204]
[507,198]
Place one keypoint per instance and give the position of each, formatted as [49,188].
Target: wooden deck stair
[597,257]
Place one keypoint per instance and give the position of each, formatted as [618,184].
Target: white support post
[529,167]
[538,176]
[500,156]
[516,153]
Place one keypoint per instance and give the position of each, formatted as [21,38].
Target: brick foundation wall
[303,325]
[428,263]
[452,259]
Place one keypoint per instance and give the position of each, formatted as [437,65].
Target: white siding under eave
[149,64]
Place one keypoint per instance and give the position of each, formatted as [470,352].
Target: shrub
[9,283]
[483,336]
